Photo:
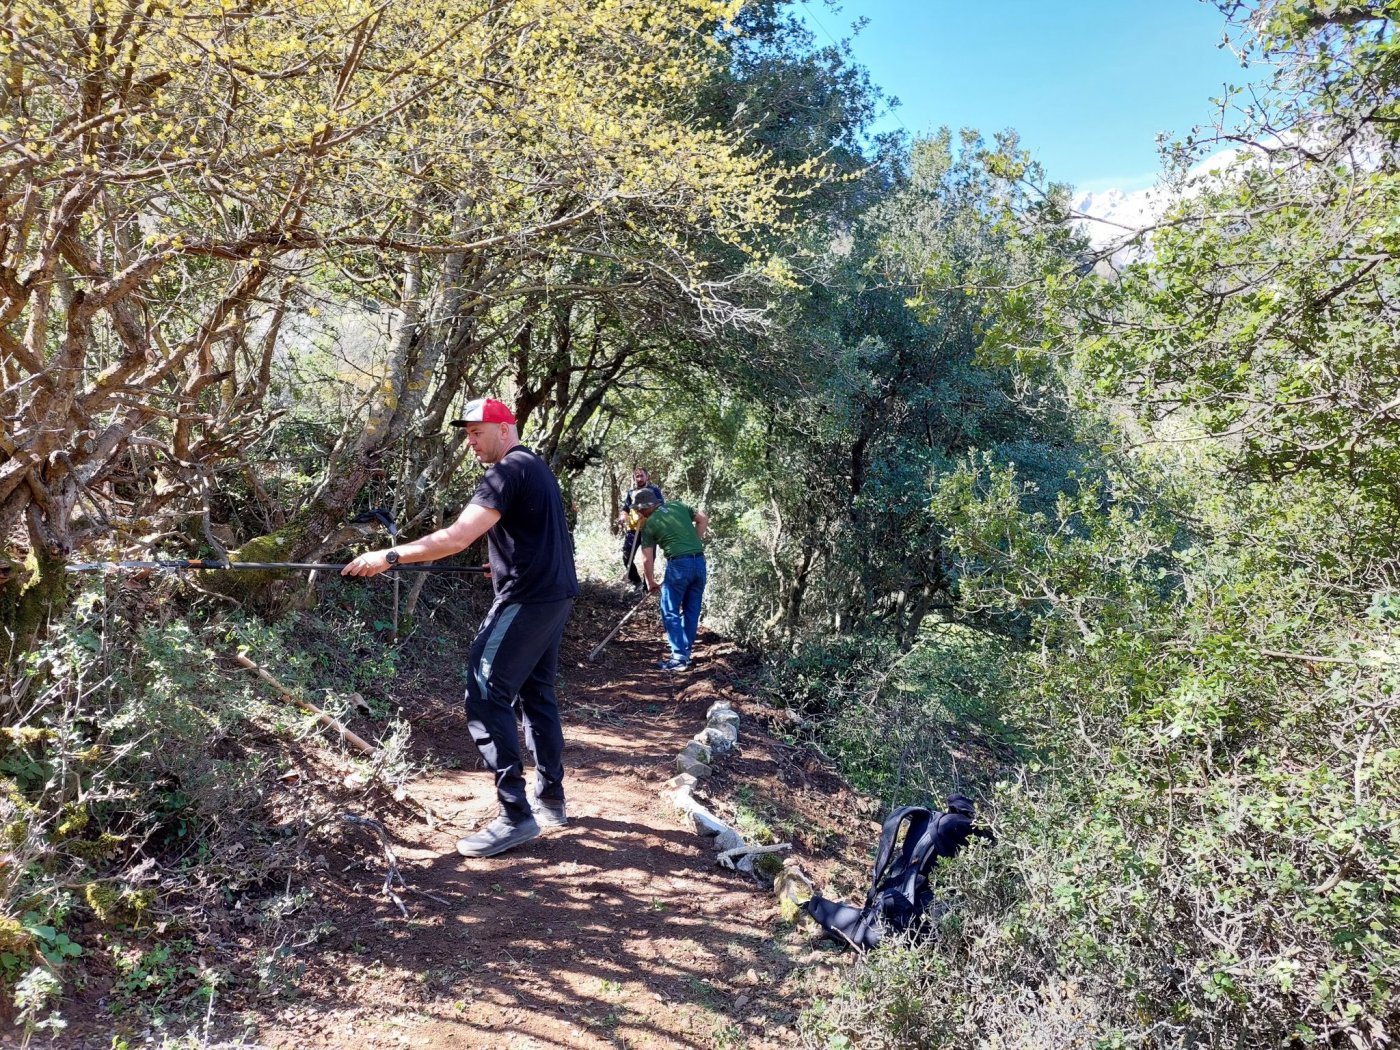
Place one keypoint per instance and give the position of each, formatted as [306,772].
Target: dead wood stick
[401,794]
[613,633]
[730,857]
[326,719]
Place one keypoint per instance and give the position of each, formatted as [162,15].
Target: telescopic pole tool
[200,565]
[382,515]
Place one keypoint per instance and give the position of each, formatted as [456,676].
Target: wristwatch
[391,556]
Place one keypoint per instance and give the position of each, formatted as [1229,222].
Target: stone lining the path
[693,764]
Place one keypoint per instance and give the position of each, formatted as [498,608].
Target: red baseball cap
[485,410]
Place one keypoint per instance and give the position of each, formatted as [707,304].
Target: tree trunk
[33,591]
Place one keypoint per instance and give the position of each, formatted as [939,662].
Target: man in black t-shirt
[515,656]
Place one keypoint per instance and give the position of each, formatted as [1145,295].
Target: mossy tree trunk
[34,590]
[302,538]
[405,398]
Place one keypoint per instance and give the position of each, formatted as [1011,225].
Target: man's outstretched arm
[472,524]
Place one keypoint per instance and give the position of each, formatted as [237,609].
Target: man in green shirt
[680,532]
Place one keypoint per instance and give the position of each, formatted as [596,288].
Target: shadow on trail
[617,930]
[573,927]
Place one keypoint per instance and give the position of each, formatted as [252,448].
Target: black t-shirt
[531,551]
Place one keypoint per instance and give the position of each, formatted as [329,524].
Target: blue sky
[1087,83]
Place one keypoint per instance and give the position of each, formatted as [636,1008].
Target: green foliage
[1341,68]
[1199,845]
[33,937]
[909,727]
[1091,561]
[33,994]
[890,1003]
[133,731]
[815,457]
[826,678]
[935,467]
[153,978]
[1206,846]
[1289,358]
[1261,309]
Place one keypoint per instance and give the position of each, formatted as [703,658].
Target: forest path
[618,930]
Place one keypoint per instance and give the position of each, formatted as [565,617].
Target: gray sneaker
[498,836]
[548,812]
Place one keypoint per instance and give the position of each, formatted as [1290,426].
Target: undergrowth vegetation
[1202,848]
[1198,834]
[151,789]
[902,723]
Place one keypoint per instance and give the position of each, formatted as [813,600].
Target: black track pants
[514,661]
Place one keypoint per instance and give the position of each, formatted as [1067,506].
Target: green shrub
[131,729]
[1205,850]
[911,727]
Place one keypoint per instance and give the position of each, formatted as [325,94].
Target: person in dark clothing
[631,521]
[514,660]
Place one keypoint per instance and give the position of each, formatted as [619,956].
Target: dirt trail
[616,931]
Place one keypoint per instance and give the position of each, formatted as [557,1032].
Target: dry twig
[392,875]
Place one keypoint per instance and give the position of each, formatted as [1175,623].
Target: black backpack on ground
[900,897]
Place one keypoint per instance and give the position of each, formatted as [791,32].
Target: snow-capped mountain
[1112,215]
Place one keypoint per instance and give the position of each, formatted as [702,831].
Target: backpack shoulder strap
[894,853]
[923,853]
[919,855]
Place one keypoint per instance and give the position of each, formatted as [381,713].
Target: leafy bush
[907,728]
[1205,853]
[134,772]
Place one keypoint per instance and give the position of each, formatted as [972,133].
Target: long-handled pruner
[613,633]
[203,565]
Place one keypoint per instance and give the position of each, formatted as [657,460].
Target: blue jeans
[681,591]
